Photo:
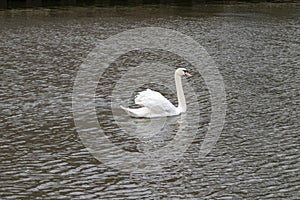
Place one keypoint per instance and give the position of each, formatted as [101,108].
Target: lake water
[255,47]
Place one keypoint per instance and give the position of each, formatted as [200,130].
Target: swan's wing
[155,102]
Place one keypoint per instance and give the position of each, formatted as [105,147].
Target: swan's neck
[180,95]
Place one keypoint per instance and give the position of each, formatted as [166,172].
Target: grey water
[256,50]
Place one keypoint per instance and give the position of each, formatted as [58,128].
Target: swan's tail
[125,109]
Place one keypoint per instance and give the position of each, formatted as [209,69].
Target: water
[256,157]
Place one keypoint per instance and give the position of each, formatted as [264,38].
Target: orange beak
[187,74]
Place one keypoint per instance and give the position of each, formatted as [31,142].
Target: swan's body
[154,104]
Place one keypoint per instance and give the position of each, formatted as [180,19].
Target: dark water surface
[256,157]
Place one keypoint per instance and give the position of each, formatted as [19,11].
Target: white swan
[154,104]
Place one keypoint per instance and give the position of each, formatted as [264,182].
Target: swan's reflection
[162,141]
[156,132]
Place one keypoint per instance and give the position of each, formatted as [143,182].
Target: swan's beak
[187,74]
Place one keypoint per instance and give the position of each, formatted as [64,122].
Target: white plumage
[154,104]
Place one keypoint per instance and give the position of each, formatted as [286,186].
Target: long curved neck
[180,95]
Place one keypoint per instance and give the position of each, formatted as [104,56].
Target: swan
[153,104]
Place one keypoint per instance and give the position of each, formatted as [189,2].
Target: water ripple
[256,157]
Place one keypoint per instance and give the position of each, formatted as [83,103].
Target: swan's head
[183,72]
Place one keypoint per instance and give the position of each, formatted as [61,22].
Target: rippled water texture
[256,156]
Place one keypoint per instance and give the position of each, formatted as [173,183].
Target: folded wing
[155,102]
